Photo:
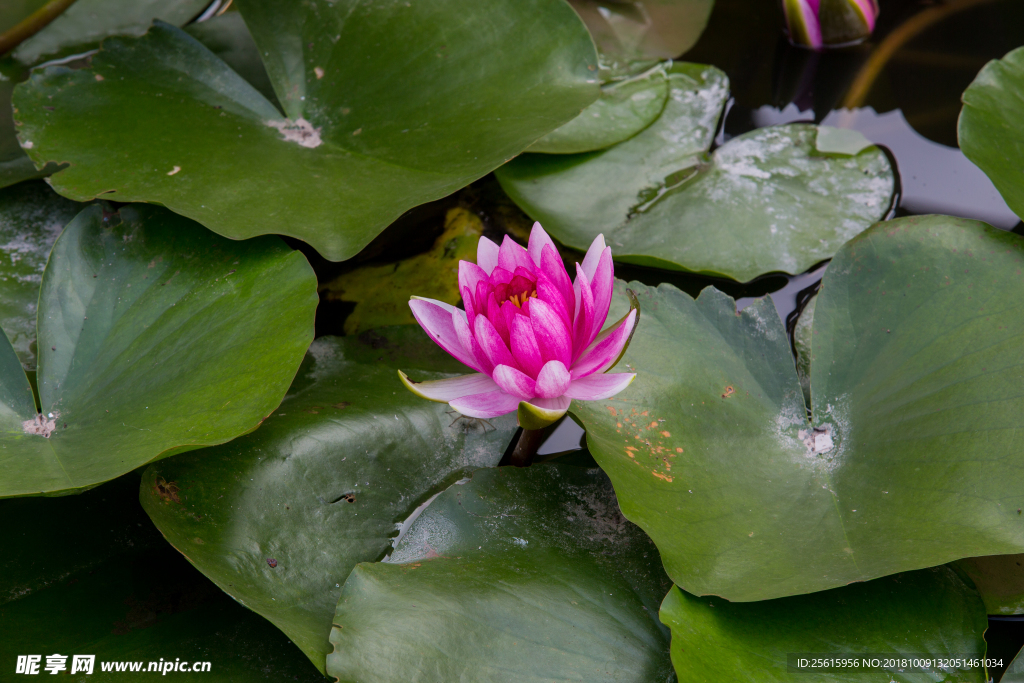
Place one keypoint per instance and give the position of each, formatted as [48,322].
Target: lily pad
[928,612]
[228,37]
[448,99]
[989,127]
[644,29]
[624,108]
[765,201]
[15,166]
[531,570]
[911,460]
[87,22]
[31,217]
[89,575]
[999,579]
[382,291]
[278,518]
[147,333]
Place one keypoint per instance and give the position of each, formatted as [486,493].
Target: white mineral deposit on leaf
[174,170]
[818,440]
[299,131]
[41,425]
[319,72]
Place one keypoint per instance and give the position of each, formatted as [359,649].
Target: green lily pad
[526,570]
[31,217]
[910,459]
[1015,672]
[89,575]
[278,518]
[989,126]
[624,108]
[765,201]
[147,334]
[86,22]
[447,100]
[644,29]
[15,166]
[228,37]
[928,612]
[999,579]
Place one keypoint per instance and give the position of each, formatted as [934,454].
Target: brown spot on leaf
[167,490]
[729,391]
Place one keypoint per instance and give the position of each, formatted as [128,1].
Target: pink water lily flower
[819,23]
[532,335]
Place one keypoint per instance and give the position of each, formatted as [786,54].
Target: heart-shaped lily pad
[989,128]
[31,217]
[278,518]
[88,575]
[999,579]
[770,200]
[531,570]
[386,106]
[912,458]
[155,335]
[928,612]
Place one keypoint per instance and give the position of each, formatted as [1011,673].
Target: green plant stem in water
[32,24]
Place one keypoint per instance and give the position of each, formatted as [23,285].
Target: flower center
[520,299]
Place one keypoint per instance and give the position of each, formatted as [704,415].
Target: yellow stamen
[519,299]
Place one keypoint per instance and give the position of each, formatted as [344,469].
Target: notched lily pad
[780,198]
[909,461]
[147,335]
[531,570]
[279,517]
[428,118]
[928,612]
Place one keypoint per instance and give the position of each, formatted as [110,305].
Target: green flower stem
[32,24]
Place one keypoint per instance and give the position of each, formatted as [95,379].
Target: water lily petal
[467,301]
[802,22]
[485,405]
[464,332]
[524,346]
[497,318]
[549,293]
[552,380]
[486,255]
[470,275]
[491,343]
[445,390]
[601,284]
[515,382]
[511,256]
[538,240]
[598,387]
[593,257]
[584,312]
[605,349]
[553,338]
[435,317]
[554,270]
[868,9]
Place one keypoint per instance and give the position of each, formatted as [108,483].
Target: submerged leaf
[382,292]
